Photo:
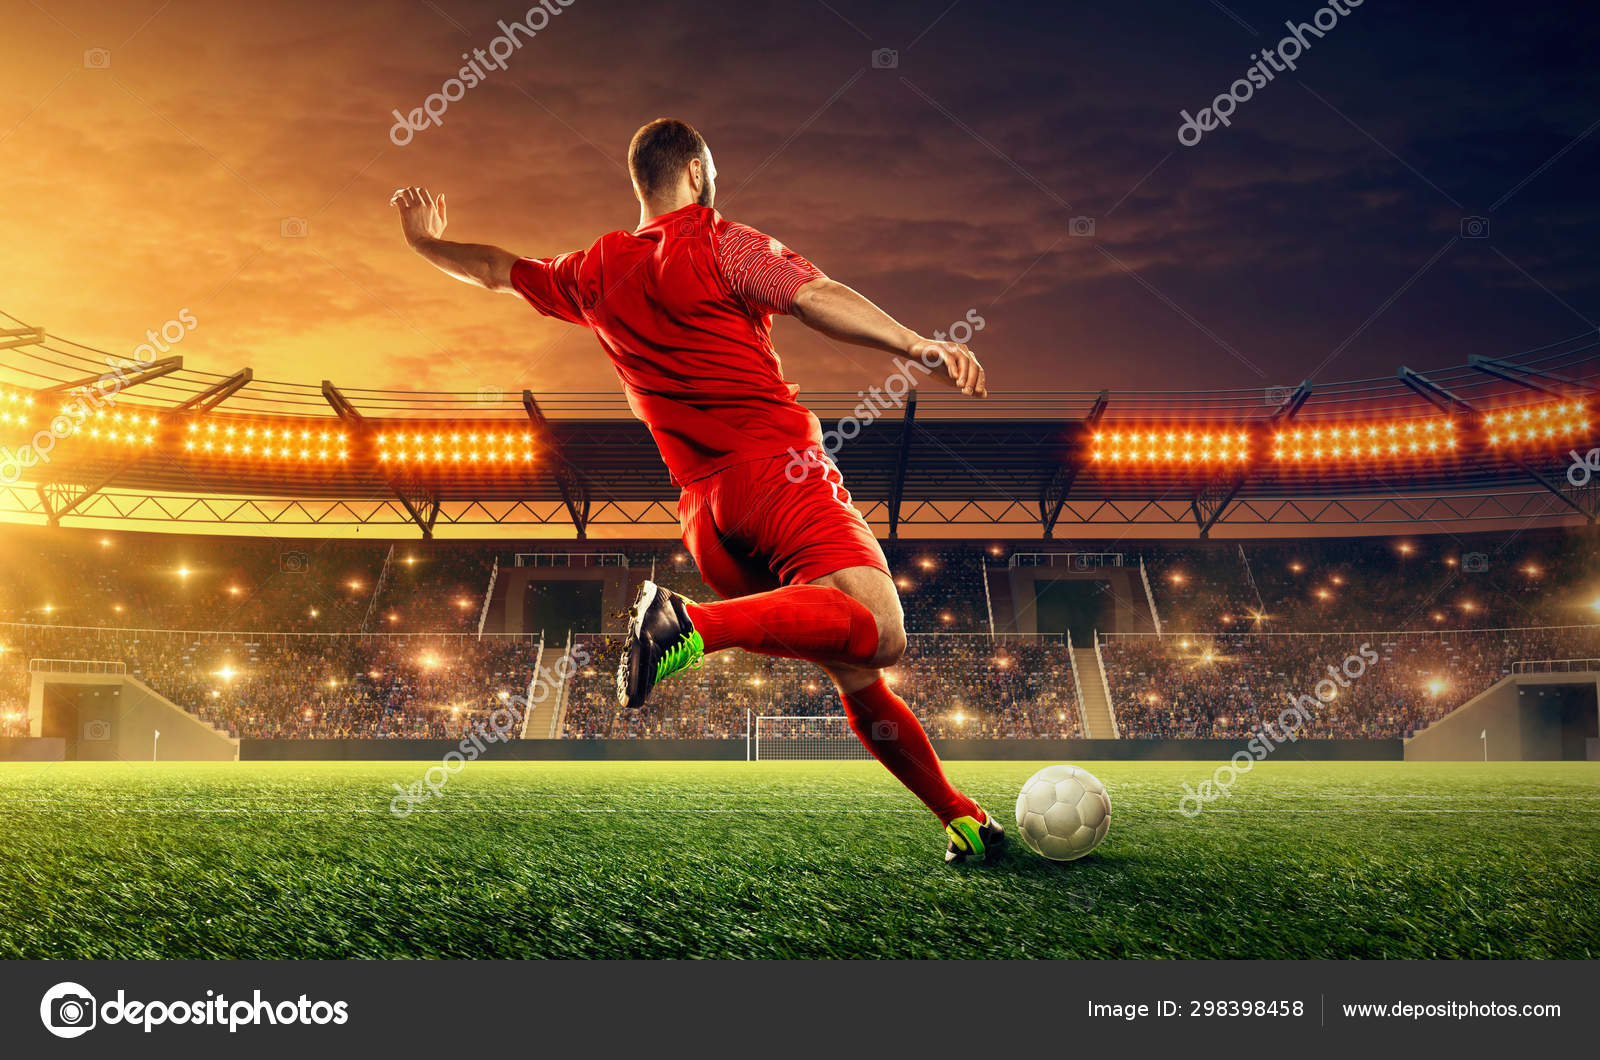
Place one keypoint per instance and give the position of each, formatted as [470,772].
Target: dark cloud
[945,183]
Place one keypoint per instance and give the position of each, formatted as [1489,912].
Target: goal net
[808,738]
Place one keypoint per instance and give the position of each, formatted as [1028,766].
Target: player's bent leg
[668,634]
[818,623]
[874,590]
[887,728]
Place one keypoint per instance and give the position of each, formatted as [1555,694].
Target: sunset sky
[165,156]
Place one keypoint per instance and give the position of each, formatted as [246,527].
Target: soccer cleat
[661,642]
[969,839]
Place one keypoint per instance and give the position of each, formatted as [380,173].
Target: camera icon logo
[885,59]
[488,395]
[1274,396]
[1474,563]
[67,1010]
[1080,227]
[293,563]
[294,228]
[96,59]
[885,730]
[1474,228]
[97,730]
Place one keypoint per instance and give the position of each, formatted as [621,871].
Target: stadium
[309,670]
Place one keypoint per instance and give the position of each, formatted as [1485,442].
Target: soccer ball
[1063,812]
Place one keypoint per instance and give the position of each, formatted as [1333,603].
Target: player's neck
[649,211]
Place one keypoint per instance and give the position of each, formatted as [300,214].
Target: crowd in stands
[162,581]
[1480,581]
[277,686]
[442,686]
[392,649]
[437,587]
[1230,685]
[958,686]
[158,581]
[941,586]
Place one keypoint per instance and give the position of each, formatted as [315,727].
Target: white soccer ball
[1063,812]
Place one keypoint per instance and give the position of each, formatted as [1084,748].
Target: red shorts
[783,520]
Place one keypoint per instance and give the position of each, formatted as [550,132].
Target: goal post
[806,738]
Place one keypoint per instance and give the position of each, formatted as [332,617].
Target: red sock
[812,622]
[894,736]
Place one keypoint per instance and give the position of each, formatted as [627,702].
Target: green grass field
[788,859]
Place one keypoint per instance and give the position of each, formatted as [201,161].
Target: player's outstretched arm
[842,313]
[422,220]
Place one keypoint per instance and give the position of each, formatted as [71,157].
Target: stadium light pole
[1213,498]
[897,485]
[423,508]
[574,493]
[157,369]
[11,338]
[1053,495]
[1547,383]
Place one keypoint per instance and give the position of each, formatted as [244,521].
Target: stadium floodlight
[461,449]
[302,441]
[15,406]
[1171,448]
[1369,441]
[1550,422]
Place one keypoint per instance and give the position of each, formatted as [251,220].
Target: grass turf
[788,859]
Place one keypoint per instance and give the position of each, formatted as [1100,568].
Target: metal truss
[1549,472]
[13,338]
[897,487]
[1212,499]
[59,499]
[420,501]
[569,478]
[650,518]
[1015,473]
[1053,497]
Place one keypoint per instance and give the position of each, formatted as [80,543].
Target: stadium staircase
[547,709]
[1095,705]
[377,592]
[1002,609]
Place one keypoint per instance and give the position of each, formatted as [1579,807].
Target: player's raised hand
[421,215]
[957,366]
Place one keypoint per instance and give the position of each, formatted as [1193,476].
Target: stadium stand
[957,685]
[1228,685]
[373,640]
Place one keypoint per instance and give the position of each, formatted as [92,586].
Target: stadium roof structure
[155,445]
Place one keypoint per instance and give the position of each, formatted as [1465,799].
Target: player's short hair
[660,150]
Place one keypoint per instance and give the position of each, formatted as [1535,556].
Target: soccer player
[683,306]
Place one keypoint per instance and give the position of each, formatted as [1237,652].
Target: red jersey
[683,307]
